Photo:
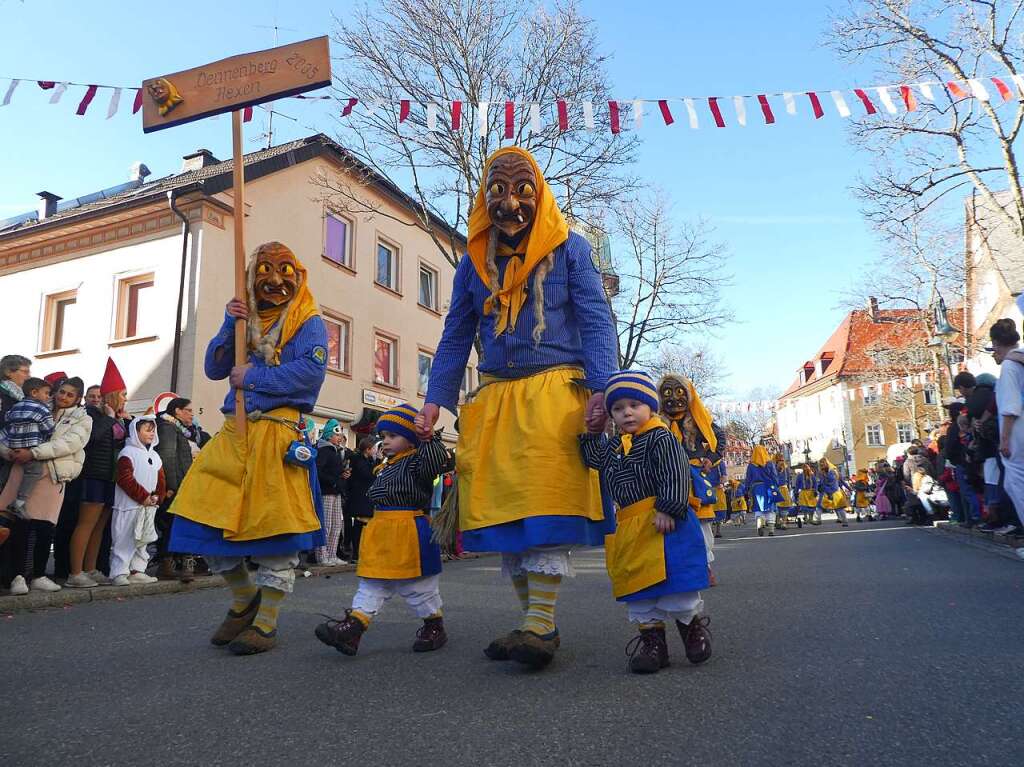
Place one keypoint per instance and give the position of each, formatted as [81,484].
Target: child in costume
[785,505]
[762,483]
[528,289]
[656,557]
[27,425]
[721,506]
[807,494]
[141,487]
[830,491]
[396,554]
[738,502]
[862,496]
[224,511]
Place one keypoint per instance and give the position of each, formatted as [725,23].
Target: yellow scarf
[701,415]
[394,459]
[549,230]
[759,456]
[627,439]
[300,308]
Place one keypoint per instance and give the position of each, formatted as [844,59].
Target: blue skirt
[686,563]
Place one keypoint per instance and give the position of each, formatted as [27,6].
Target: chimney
[138,171]
[47,204]
[200,158]
[873,308]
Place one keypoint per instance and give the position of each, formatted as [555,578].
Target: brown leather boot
[431,635]
[253,641]
[165,571]
[534,650]
[501,648]
[648,651]
[235,623]
[188,568]
[343,635]
[697,638]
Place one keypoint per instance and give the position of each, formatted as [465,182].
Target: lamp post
[942,333]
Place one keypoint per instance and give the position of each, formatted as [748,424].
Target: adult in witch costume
[529,288]
[242,501]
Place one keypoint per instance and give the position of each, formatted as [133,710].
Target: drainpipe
[186,229]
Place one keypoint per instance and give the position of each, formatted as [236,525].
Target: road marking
[822,532]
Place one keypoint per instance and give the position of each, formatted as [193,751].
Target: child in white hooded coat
[139,491]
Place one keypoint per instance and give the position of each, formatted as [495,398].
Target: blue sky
[777,195]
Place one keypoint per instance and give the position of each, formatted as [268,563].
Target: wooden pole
[241,344]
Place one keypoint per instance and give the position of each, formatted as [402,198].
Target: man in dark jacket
[358,508]
[175,450]
[957,457]
[333,473]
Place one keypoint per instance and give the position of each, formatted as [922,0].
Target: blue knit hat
[331,428]
[401,421]
[631,384]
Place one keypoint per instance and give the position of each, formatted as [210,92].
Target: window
[423,362]
[428,287]
[904,432]
[930,397]
[871,396]
[135,311]
[385,360]
[339,333]
[873,432]
[387,266]
[58,321]
[336,241]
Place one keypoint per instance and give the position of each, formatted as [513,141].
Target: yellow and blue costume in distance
[830,489]
[861,488]
[761,482]
[806,491]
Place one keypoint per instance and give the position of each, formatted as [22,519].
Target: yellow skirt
[720,503]
[836,500]
[247,490]
[787,497]
[861,500]
[518,453]
[635,552]
[808,499]
[390,546]
[739,504]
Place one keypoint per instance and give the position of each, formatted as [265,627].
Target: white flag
[58,92]
[790,103]
[10,92]
[1019,82]
[431,117]
[886,99]
[115,102]
[840,102]
[926,91]
[691,110]
[978,90]
[638,113]
[373,105]
[741,109]
[481,116]
[588,115]
[535,126]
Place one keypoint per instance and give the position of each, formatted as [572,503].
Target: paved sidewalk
[1010,546]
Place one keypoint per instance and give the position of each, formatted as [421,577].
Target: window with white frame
[136,315]
[423,362]
[930,395]
[386,273]
[385,359]
[428,287]
[873,433]
[871,395]
[339,334]
[337,240]
[59,311]
[904,432]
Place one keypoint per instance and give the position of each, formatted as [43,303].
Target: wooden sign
[231,84]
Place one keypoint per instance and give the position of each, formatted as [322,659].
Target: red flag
[868,106]
[716,112]
[613,116]
[349,105]
[908,98]
[766,109]
[510,119]
[956,90]
[46,84]
[816,105]
[563,116]
[90,94]
[666,115]
[456,115]
[403,110]
[138,101]
[1001,87]
[246,114]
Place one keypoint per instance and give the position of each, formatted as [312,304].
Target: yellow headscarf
[549,230]
[759,456]
[701,415]
[294,313]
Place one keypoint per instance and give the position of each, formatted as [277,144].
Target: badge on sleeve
[319,353]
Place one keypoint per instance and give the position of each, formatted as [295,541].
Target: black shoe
[431,635]
[343,635]
[697,638]
[648,651]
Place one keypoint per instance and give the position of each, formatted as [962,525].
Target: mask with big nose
[674,398]
[511,195]
[277,278]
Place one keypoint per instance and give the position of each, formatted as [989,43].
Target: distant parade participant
[692,424]
[862,497]
[761,483]
[737,502]
[721,504]
[807,498]
[830,492]
[529,293]
[256,500]
[656,557]
[785,505]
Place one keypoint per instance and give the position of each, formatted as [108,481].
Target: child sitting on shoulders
[656,557]
[139,491]
[27,425]
[396,554]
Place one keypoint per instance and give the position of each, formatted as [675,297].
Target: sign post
[231,85]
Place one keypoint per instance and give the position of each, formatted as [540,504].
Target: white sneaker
[141,578]
[18,586]
[44,584]
[99,578]
[80,581]
[120,580]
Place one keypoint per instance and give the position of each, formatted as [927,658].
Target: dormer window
[808,372]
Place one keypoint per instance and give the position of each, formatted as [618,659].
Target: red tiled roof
[836,345]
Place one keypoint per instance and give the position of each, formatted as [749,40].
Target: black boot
[343,635]
[648,651]
[697,638]
[431,635]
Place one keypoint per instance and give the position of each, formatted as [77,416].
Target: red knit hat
[112,380]
[55,378]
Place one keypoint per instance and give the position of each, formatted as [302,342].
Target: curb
[1004,545]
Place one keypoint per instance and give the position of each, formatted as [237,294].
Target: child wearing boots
[28,424]
[656,557]
[140,489]
[396,555]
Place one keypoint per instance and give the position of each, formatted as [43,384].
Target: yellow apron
[787,497]
[861,500]
[808,498]
[836,500]
[390,546]
[247,489]
[635,552]
[704,513]
[739,503]
[720,502]
[518,453]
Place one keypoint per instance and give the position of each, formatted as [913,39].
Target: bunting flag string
[616,115]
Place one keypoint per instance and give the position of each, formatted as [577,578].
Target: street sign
[234,83]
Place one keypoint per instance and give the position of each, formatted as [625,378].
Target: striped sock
[270,605]
[243,591]
[652,625]
[522,587]
[543,594]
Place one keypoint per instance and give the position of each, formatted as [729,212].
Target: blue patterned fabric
[686,562]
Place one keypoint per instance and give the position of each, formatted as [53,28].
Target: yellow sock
[434,616]
[653,625]
[543,594]
[270,604]
[243,591]
[362,617]
[522,587]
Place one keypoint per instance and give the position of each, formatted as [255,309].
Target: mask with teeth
[511,195]
[674,397]
[277,277]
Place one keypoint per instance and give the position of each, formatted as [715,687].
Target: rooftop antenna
[269,135]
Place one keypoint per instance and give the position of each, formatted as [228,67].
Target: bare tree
[696,360]
[487,52]
[670,276]
[950,145]
[753,425]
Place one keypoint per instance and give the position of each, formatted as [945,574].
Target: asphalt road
[876,645]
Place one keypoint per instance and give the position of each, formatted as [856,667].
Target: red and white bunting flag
[90,94]
[482,110]
[535,124]
[1018,80]
[10,92]
[840,102]
[908,98]
[716,112]
[58,92]
[588,115]
[510,119]
[349,106]
[1001,87]
[910,382]
[431,117]
[563,116]
[739,103]
[456,115]
[926,91]
[691,111]
[666,113]
[886,99]
[137,104]
[404,107]
[46,84]
[613,116]
[766,109]
[115,102]
[638,114]
[815,105]
[247,114]
[863,96]
[978,90]
[853,395]
[956,90]
[790,102]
